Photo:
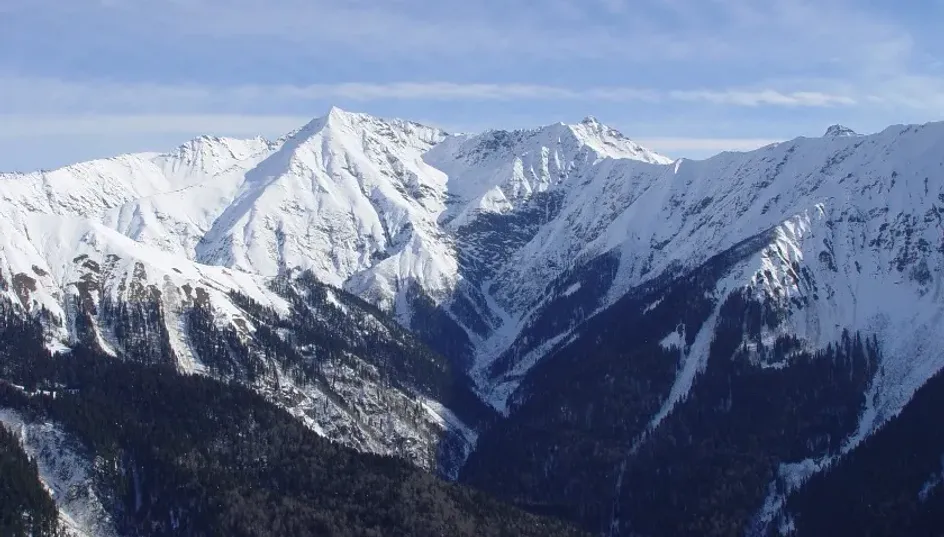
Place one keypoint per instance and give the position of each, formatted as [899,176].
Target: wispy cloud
[457,92]
[48,95]
[763,97]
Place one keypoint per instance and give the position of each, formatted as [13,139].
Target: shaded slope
[26,510]
[893,484]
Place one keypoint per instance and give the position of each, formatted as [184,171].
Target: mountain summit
[839,131]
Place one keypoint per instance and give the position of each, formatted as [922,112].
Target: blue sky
[88,78]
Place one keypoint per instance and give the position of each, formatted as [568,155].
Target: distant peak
[593,126]
[207,142]
[336,111]
[610,142]
[839,131]
[202,143]
[337,114]
[200,140]
[338,123]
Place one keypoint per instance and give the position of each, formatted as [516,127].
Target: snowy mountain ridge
[357,200]
[505,242]
[372,205]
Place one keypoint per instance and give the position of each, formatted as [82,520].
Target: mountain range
[558,316]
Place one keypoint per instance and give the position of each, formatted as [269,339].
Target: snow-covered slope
[346,195]
[834,235]
[205,175]
[375,206]
[859,214]
[499,170]
[90,188]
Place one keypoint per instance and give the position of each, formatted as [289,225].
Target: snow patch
[571,290]
[674,341]
[694,360]
[934,481]
[790,477]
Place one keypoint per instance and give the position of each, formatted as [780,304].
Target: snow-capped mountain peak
[499,170]
[336,117]
[609,142]
[839,131]
[347,196]
[400,131]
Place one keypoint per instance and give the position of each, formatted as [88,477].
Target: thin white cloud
[764,97]
[448,91]
[47,97]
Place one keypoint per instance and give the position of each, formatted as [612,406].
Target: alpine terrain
[558,317]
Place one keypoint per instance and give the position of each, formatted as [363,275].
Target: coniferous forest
[893,484]
[25,506]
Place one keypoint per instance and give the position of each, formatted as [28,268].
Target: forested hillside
[25,507]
